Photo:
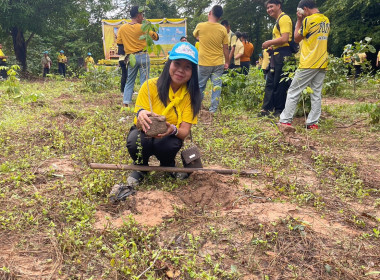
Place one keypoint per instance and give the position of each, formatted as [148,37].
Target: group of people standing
[281,95]
[178,92]
[46,63]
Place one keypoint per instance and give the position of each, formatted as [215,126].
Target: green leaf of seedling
[146,26]
[143,37]
[141,9]
[132,60]
[371,49]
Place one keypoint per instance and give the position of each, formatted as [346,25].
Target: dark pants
[46,71]
[358,70]
[245,66]
[275,91]
[124,75]
[3,73]
[165,149]
[62,69]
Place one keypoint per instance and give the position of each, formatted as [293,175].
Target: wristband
[138,112]
[175,130]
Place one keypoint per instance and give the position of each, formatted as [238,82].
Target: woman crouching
[176,95]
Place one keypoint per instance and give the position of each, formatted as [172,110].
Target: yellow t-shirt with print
[62,58]
[184,106]
[212,36]
[197,45]
[239,49]
[129,36]
[315,31]
[89,59]
[286,26]
[2,54]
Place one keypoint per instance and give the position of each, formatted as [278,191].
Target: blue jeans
[142,65]
[213,72]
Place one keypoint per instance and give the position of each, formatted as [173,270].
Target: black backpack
[294,47]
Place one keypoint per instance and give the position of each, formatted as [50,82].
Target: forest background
[27,28]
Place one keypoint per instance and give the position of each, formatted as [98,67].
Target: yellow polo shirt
[89,59]
[129,35]
[286,26]
[184,106]
[212,36]
[266,60]
[360,58]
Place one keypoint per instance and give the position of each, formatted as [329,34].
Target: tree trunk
[19,46]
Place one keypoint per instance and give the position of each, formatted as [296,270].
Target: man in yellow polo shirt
[3,62]
[129,35]
[378,59]
[213,53]
[313,28]
[239,51]
[278,48]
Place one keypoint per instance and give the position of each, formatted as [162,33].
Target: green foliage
[336,77]
[12,82]
[243,91]
[100,78]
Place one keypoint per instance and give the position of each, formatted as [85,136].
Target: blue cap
[88,53]
[62,51]
[46,52]
[184,50]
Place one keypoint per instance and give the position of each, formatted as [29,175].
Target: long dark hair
[163,85]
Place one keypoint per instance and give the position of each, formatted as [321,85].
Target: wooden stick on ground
[170,169]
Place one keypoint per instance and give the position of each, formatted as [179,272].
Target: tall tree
[24,19]
[352,20]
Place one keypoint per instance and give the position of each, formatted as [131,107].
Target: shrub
[243,91]
[100,78]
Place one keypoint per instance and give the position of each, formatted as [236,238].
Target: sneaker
[135,178]
[120,192]
[286,127]
[312,126]
[263,113]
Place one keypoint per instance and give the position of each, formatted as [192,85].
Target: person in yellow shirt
[378,59]
[129,36]
[359,59]
[231,42]
[46,64]
[88,60]
[213,54]
[278,47]
[239,51]
[62,60]
[3,62]
[313,28]
[174,94]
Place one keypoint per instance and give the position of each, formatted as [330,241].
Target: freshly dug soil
[208,190]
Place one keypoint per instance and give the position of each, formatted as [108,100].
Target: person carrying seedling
[313,28]
[174,94]
[129,35]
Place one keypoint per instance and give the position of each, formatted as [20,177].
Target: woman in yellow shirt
[175,95]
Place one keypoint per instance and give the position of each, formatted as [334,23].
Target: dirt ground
[263,225]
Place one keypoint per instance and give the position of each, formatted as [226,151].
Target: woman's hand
[144,120]
[169,130]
